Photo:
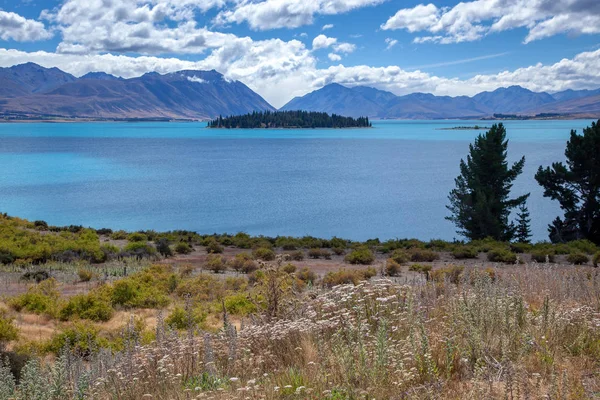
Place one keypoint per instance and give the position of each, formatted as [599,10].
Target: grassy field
[114,315]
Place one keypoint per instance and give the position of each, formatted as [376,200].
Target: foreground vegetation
[289,119]
[388,319]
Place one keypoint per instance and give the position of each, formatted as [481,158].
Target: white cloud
[390,43]
[334,57]
[15,27]
[271,14]
[322,42]
[327,26]
[471,20]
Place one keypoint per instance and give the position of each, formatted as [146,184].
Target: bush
[501,255]
[361,255]
[520,248]
[249,267]
[540,255]
[137,237]
[146,289]
[87,306]
[118,235]
[306,275]
[596,259]
[237,263]
[464,252]
[239,304]
[212,246]
[368,273]
[162,246]
[452,273]
[109,251]
[577,258]
[37,275]
[215,263]
[392,267]
[294,256]
[8,331]
[582,246]
[85,275]
[319,253]
[400,256]
[289,268]
[422,255]
[338,251]
[138,250]
[183,248]
[81,338]
[182,319]
[6,257]
[264,254]
[342,277]
[39,299]
[40,225]
[421,268]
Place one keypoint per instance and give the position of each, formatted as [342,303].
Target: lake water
[389,181]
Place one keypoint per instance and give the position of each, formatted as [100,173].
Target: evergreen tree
[480,203]
[576,186]
[523,233]
[289,119]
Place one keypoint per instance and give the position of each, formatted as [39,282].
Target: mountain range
[30,91]
[515,100]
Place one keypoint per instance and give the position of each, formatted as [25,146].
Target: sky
[287,48]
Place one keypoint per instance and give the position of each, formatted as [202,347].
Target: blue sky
[285,48]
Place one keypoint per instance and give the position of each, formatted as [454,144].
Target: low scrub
[347,276]
[578,258]
[263,253]
[319,253]
[596,259]
[501,255]
[362,256]
[465,252]
[422,255]
[89,306]
[543,255]
[215,263]
[400,256]
[392,267]
[183,248]
[452,274]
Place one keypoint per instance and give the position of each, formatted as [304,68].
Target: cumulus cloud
[15,27]
[195,79]
[327,26]
[271,14]
[323,42]
[471,20]
[334,57]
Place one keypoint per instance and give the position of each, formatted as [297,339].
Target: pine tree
[480,203]
[523,233]
[576,186]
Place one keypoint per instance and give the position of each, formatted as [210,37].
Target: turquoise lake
[389,181]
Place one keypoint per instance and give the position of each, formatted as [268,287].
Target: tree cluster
[481,206]
[289,119]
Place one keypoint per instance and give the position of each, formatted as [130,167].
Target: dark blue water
[389,181]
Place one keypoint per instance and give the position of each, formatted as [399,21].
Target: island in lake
[289,119]
[464,128]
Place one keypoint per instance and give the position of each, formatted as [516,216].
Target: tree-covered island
[289,119]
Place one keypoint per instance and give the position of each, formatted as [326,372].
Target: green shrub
[343,277]
[39,299]
[582,246]
[146,289]
[400,256]
[87,306]
[319,253]
[162,246]
[338,251]
[82,339]
[137,237]
[183,248]
[422,255]
[237,263]
[368,273]
[138,250]
[249,267]
[239,304]
[8,330]
[182,319]
[577,258]
[264,254]
[501,255]
[215,263]
[297,255]
[109,251]
[289,268]
[541,254]
[392,267]
[6,257]
[118,235]
[306,275]
[464,252]
[520,248]
[212,246]
[36,275]
[361,255]
[85,275]
[596,259]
